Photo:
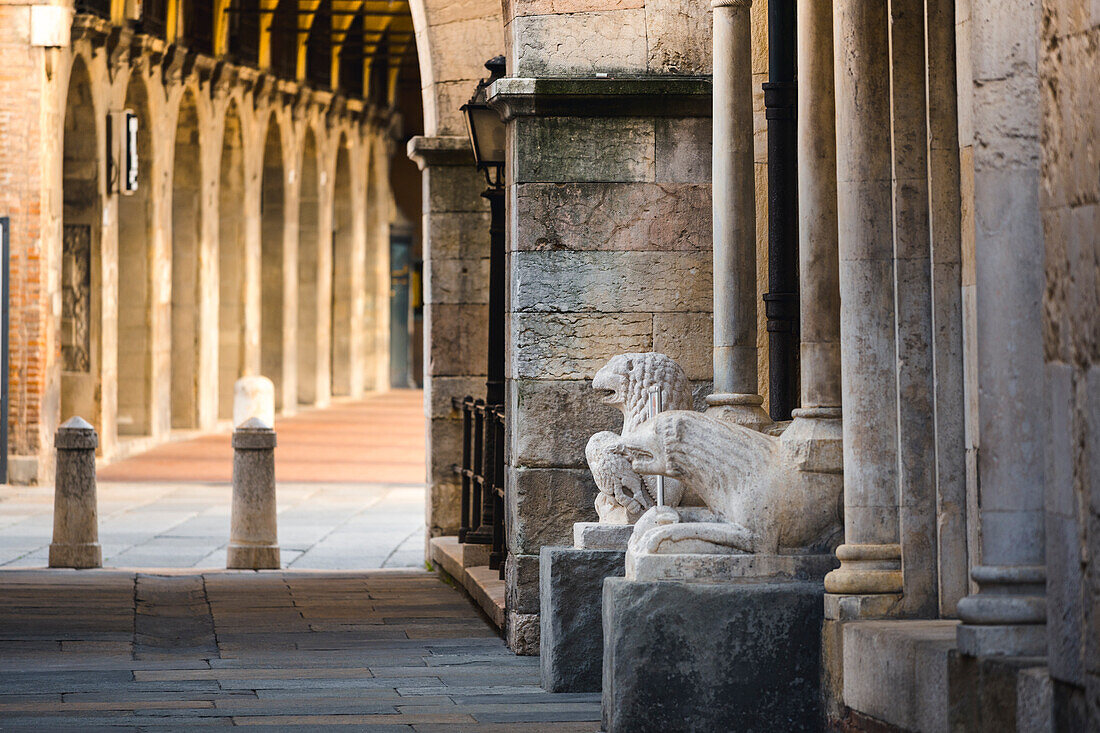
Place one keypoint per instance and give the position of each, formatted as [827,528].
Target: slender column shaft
[913,302]
[870,557]
[734,200]
[734,203]
[817,227]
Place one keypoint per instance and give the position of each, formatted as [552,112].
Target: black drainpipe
[781,300]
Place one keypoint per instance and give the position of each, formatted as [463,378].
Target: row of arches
[161,314]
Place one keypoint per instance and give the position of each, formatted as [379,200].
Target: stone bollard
[253,536]
[75,521]
[253,397]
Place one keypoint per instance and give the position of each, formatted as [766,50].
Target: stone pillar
[253,536]
[1008,613]
[735,396]
[871,555]
[75,520]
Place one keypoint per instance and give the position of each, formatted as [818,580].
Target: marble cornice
[614,96]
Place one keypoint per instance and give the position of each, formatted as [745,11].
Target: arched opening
[135,223]
[80,271]
[231,233]
[273,229]
[342,249]
[186,236]
[308,250]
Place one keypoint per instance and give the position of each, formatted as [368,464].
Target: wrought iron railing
[482,475]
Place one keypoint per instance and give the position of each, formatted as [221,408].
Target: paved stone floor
[379,651]
[350,496]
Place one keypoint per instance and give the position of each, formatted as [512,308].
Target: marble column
[817,224]
[736,396]
[1008,613]
[871,555]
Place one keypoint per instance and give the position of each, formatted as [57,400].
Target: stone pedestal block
[253,397]
[691,656]
[75,520]
[570,586]
[253,540]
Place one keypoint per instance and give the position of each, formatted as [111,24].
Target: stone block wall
[1070,205]
[609,252]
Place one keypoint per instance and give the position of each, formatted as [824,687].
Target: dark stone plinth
[690,656]
[570,588]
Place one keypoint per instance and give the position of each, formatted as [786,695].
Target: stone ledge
[614,96]
[719,568]
[482,583]
[429,150]
[896,672]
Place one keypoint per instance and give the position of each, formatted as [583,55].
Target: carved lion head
[625,381]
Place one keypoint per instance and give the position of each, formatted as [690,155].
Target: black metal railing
[482,474]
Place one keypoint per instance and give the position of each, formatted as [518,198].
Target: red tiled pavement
[379,439]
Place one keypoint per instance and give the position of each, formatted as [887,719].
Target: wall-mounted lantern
[485,127]
[122,152]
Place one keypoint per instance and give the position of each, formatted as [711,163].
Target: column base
[862,607]
[691,656]
[739,409]
[1022,640]
[252,557]
[571,615]
[80,556]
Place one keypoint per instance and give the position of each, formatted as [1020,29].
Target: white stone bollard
[253,536]
[253,397]
[75,522]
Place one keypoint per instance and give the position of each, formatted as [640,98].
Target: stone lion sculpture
[625,382]
[758,498]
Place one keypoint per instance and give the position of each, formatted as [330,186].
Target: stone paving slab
[284,676]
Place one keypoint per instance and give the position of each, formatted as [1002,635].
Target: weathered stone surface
[896,671]
[445,450]
[683,149]
[253,535]
[522,633]
[984,692]
[687,338]
[574,345]
[571,598]
[456,235]
[557,418]
[521,576]
[678,37]
[456,281]
[75,512]
[611,41]
[613,216]
[455,188]
[570,149]
[459,334]
[439,391]
[711,657]
[543,505]
[516,8]
[610,282]
[601,536]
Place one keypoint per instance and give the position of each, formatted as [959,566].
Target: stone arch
[309,211]
[343,247]
[231,261]
[187,227]
[135,278]
[272,234]
[81,281]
